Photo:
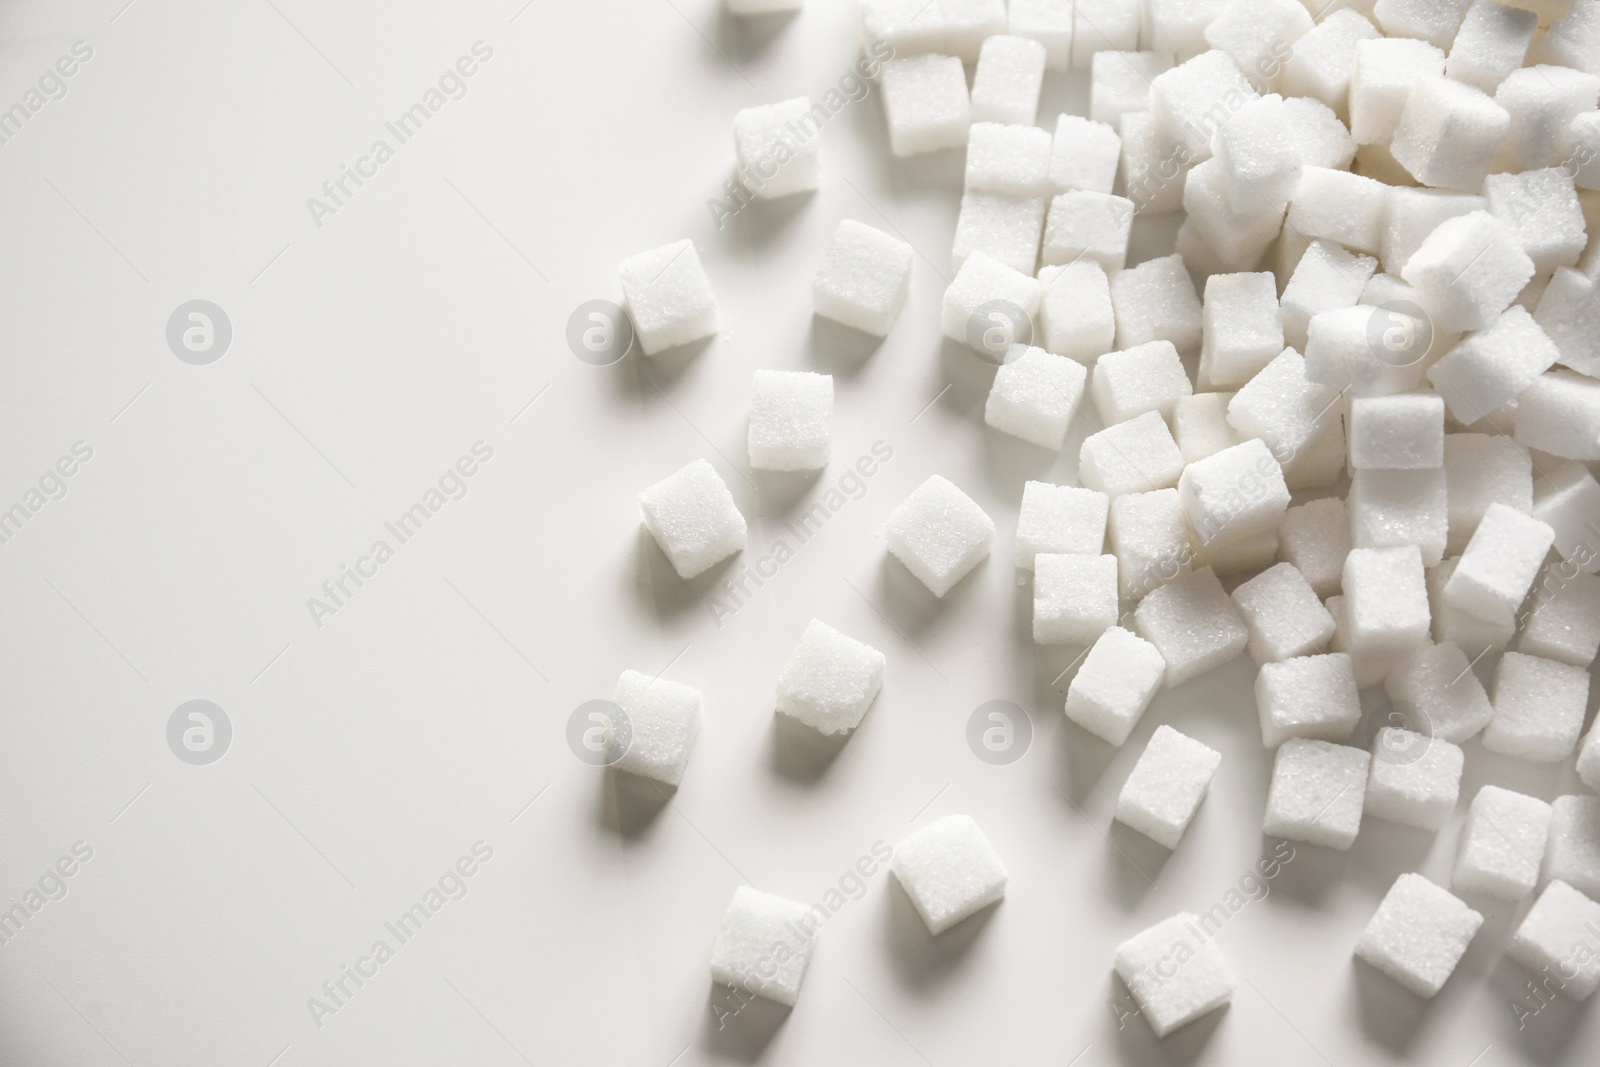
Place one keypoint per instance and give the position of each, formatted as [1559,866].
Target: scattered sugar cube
[1568,499]
[1573,39]
[1280,406]
[1147,377]
[1166,786]
[864,278]
[1385,71]
[1004,227]
[1153,176]
[1404,432]
[1012,160]
[1541,208]
[1472,634]
[1103,25]
[1234,494]
[1307,696]
[1200,425]
[1572,853]
[1136,456]
[1385,599]
[1241,328]
[1074,598]
[1171,994]
[1060,518]
[1449,133]
[1345,351]
[1539,705]
[1119,83]
[1084,156]
[1006,86]
[1413,214]
[1193,625]
[1262,148]
[1499,564]
[774,137]
[1491,43]
[1336,205]
[1150,539]
[1419,934]
[1434,691]
[1502,844]
[1078,321]
[1317,792]
[925,98]
[1315,537]
[1559,414]
[939,533]
[1156,301]
[668,297]
[1259,35]
[1435,21]
[1179,26]
[830,680]
[1393,508]
[1085,225]
[1047,21]
[981,279]
[1493,366]
[1564,621]
[1569,313]
[1414,778]
[692,516]
[789,414]
[1327,277]
[1370,665]
[1229,239]
[1035,395]
[1469,270]
[764,945]
[1283,615]
[1541,101]
[1557,940]
[1189,102]
[949,870]
[1322,61]
[1115,683]
[663,721]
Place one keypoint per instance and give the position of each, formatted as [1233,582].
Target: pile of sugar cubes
[1347,428]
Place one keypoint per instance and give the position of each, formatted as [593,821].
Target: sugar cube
[777,155]
[1493,365]
[1542,101]
[1035,395]
[1147,377]
[1166,786]
[829,680]
[1175,972]
[1283,615]
[1404,432]
[1231,238]
[692,517]
[1193,625]
[1452,625]
[1346,350]
[1115,683]
[1449,133]
[1568,499]
[1012,160]
[1200,425]
[1327,277]
[1569,314]
[1381,80]
[1086,225]
[1076,313]
[1047,21]
[1006,86]
[1102,25]
[1179,26]
[764,945]
[1499,564]
[939,533]
[1559,940]
[1189,102]
[864,278]
[1315,537]
[1074,597]
[1156,301]
[1583,149]
[925,98]
[1541,208]
[1317,792]
[1084,156]
[1241,328]
[949,870]
[789,413]
[668,297]
[1150,539]
[1393,508]
[1235,493]
[1004,227]
[1153,176]
[1321,62]
[1119,83]
[981,280]
[1539,705]
[1589,760]
[1307,696]
[1263,146]
[1336,205]
[1469,270]
[663,720]
[1280,406]
[1574,37]
[1060,518]
[1563,623]
[1502,844]
[1572,853]
[1419,934]
[1559,414]
[1491,43]
[1434,692]
[1385,599]
[1131,457]
[1414,213]
[908,27]
[968,23]
[1414,778]
[1259,35]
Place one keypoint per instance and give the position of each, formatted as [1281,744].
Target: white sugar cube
[982,279]
[1414,213]
[1563,623]
[764,945]
[1179,26]
[1491,43]
[1568,499]
[1574,37]
[1193,625]
[1035,395]
[925,98]
[1263,146]
[1060,518]
[1169,993]
[1414,778]
[1327,277]
[1557,938]
[1389,509]
[1189,102]
[1259,35]
[1583,149]
[1153,176]
[1472,634]
[1381,80]
[1085,225]
[1321,62]
[1317,792]
[1084,156]
[777,148]
[939,533]
[1166,786]
[1370,666]
[969,23]
[949,870]
[1119,83]
[908,27]
[1103,25]
[1147,377]
[1541,101]
[1572,853]
[1434,691]
[1047,21]
[1280,406]
[1345,350]
[1234,494]
[1307,696]
[789,415]
[1418,935]
[1315,537]
[1283,615]
[1404,432]
[1012,160]
[1150,539]
[1006,86]
[1227,238]
[1076,310]
[1449,133]
[1115,683]
[1502,844]
[1200,425]
[1385,599]
[663,720]
[864,278]
[1569,313]
[1539,706]
[1339,206]
[1499,564]
[1004,227]
[693,518]
[1493,365]
[830,680]
[1241,327]
[1541,207]
[1559,414]
[1074,597]
[1468,270]
[1156,301]
[668,297]
[1434,21]
[1136,456]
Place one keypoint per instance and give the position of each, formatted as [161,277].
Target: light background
[429,713]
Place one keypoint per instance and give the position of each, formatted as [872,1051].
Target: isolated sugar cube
[776,153]
[1492,366]
[1102,24]
[1147,377]
[1502,844]
[1389,509]
[1047,21]
[1119,84]
[1327,277]
[1200,425]
[1075,310]
[1381,81]
[1414,778]
[1150,538]
[1560,414]
[1563,623]
[1474,635]
[1088,225]
[1414,213]
[1014,160]
[925,98]
[1321,62]
[789,415]
[982,279]
[1434,691]
[1499,564]
[1136,456]
[1339,206]
[1307,696]
[1568,499]
[1166,786]
[663,720]
[1282,614]
[1241,328]
[1084,156]
[830,680]
[692,516]
[949,870]
[1317,792]
[1156,301]
[1569,314]
[1059,518]
[1005,227]
[1193,625]
[1572,853]
[1418,935]
[1385,599]
[1553,937]
[764,945]
[1282,407]
[668,297]
[1171,994]
[1541,100]
[1539,706]
[1006,86]
[939,533]
[1189,102]
[1468,270]
[1236,493]
[1035,395]
[1315,537]
[1074,597]
[1114,685]
[864,278]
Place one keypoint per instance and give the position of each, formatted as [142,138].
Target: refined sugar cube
[1179,26]
[1307,696]
[925,98]
[1327,277]
[908,27]
[1434,21]
[1236,493]
[1542,101]
[692,516]
[1564,621]
[1583,146]
[1006,86]
[969,23]
[1317,792]
[1156,301]
[1589,760]
[1189,102]
[1569,314]
[764,945]
[1414,778]
[1004,227]
[663,720]
[1193,625]
[1499,565]
[830,680]
[1568,499]
[980,280]
[1502,844]
[1472,634]
[1572,853]
[1539,706]
[1345,349]
[1557,939]
[1047,21]
[1574,37]
[1119,83]
[1060,518]
[1153,176]
[1084,156]
[1076,310]
[1541,207]
[1035,395]
[789,413]
[1381,81]
[1241,328]
[1434,691]
[1136,456]
[1468,270]
[1404,432]
[1262,149]
[1115,683]
[1074,598]
[1385,599]
[1221,238]
[949,870]
[1150,539]
[1283,615]
[1147,377]
[1449,133]
[1322,61]
[777,155]
[1315,537]
[1280,406]
[668,297]
[1171,994]
[1102,25]
[1166,786]
[1200,425]
[1419,934]
[1336,205]
[1259,35]
[1413,214]
[1085,225]
[1393,508]
[1370,665]
[1493,365]
[1013,160]
[1559,414]
[864,278]
[939,534]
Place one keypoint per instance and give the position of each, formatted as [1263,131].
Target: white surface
[372,752]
